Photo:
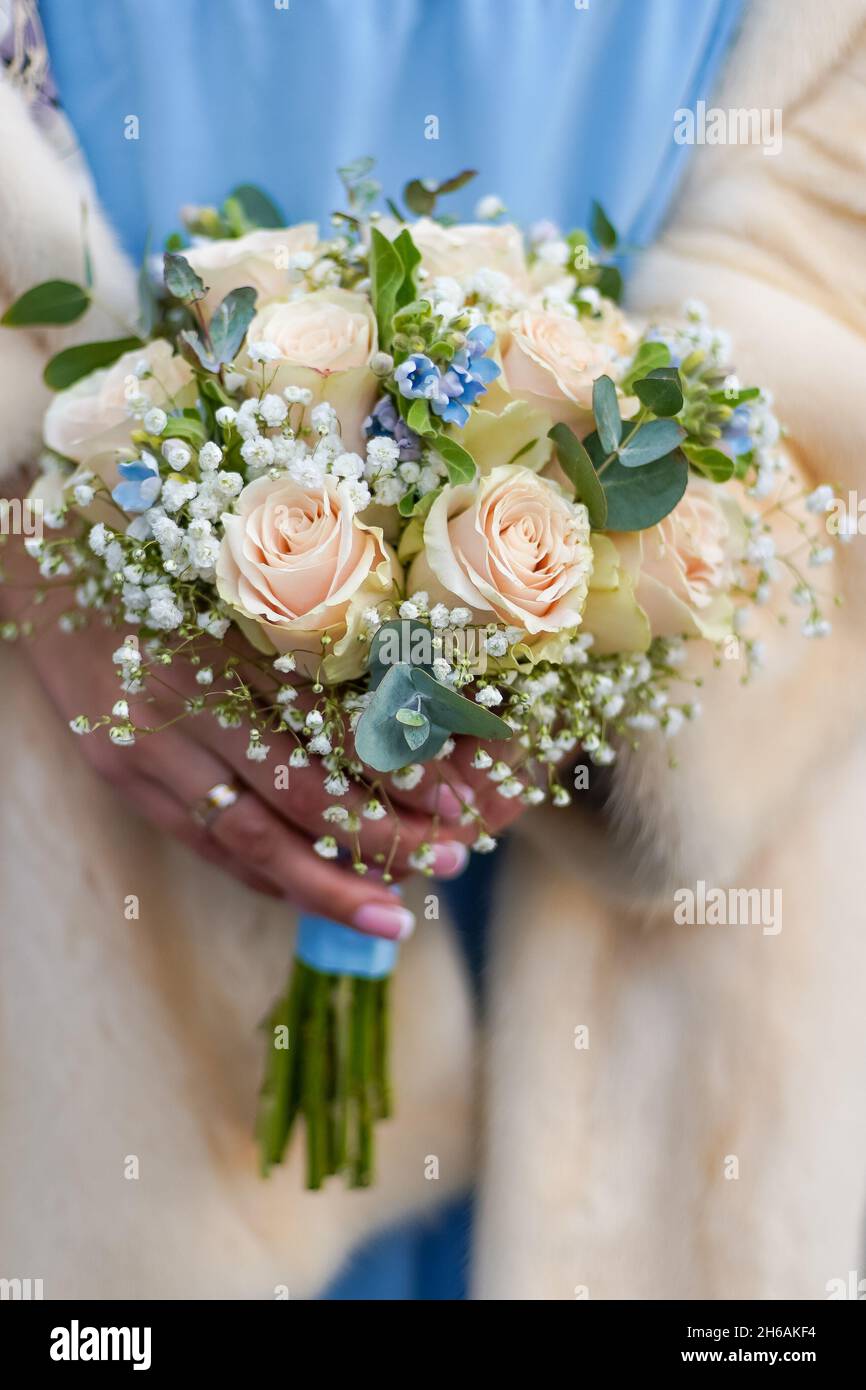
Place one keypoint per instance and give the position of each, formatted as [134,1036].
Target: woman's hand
[264,838]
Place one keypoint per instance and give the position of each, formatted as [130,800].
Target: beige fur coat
[603,1171]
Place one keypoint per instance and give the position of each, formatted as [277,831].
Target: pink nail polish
[381,919]
[449,802]
[449,859]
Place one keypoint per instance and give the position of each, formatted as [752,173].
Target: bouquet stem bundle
[328,1062]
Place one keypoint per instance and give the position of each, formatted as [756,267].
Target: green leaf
[418,198]
[356,169]
[70,365]
[193,349]
[406,505]
[578,468]
[148,302]
[459,462]
[386,279]
[188,427]
[641,497]
[605,408]
[413,717]
[457,181]
[651,441]
[649,357]
[746,393]
[181,280]
[402,641]
[380,739]
[603,232]
[257,208]
[418,418]
[410,258]
[660,391]
[230,322]
[54,301]
[455,712]
[609,283]
[416,737]
[711,462]
[85,244]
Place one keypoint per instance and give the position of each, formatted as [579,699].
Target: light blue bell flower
[141,484]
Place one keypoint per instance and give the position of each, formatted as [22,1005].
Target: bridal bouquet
[425,481]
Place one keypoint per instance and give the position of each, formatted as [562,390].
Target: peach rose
[687,564]
[92,417]
[258,259]
[514,548]
[460,251]
[325,340]
[552,360]
[296,563]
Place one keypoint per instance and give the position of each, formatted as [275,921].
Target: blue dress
[556,102]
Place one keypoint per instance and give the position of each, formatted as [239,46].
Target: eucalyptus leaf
[70,365]
[181,280]
[641,497]
[380,738]
[660,391]
[650,441]
[457,181]
[412,717]
[578,468]
[257,207]
[54,301]
[455,712]
[418,198]
[417,736]
[605,408]
[230,322]
[193,349]
[402,641]
[649,357]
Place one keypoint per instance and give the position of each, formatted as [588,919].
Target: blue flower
[386,420]
[468,376]
[418,378]
[737,435]
[141,484]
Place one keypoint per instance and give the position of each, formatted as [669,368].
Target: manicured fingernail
[381,919]
[449,859]
[448,802]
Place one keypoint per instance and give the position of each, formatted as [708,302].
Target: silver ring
[213,803]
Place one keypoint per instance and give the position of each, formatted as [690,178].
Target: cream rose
[296,563]
[552,360]
[259,259]
[514,548]
[92,416]
[460,251]
[687,564]
[325,340]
